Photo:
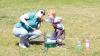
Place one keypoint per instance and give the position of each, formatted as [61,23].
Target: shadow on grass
[34,43]
[41,43]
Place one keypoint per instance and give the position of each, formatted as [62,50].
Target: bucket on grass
[50,43]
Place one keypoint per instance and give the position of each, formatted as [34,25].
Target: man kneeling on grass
[28,27]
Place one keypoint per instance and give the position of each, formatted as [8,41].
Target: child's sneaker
[59,42]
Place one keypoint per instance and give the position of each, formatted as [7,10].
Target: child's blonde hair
[52,12]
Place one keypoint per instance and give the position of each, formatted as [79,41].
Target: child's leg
[59,37]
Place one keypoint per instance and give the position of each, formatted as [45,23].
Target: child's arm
[48,20]
[57,20]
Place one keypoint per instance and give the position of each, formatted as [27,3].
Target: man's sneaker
[22,45]
[28,44]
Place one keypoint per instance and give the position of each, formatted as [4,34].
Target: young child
[57,25]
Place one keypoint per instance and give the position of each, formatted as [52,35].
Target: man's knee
[24,33]
[38,32]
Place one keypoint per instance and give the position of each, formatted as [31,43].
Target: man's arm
[23,19]
[39,25]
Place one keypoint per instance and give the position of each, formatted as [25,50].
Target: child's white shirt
[56,21]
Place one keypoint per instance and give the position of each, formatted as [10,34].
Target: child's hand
[48,20]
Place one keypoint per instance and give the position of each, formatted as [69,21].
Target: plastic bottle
[79,46]
[87,44]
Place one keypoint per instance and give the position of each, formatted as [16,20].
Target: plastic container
[79,48]
[87,44]
[49,43]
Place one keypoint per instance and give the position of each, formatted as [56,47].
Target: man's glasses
[42,12]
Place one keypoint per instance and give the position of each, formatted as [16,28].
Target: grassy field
[81,19]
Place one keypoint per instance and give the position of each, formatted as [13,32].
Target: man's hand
[32,28]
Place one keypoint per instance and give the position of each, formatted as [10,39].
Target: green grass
[81,19]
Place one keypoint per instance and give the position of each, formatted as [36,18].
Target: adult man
[28,26]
